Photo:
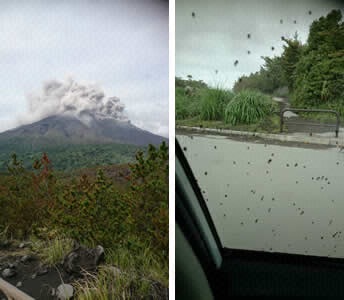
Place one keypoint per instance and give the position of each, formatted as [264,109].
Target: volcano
[60,130]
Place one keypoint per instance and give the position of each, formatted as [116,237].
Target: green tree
[289,59]
[149,184]
[319,74]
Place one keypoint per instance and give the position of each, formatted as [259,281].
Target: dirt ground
[33,277]
[27,273]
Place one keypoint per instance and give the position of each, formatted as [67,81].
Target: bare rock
[42,270]
[8,273]
[64,292]
[25,259]
[82,258]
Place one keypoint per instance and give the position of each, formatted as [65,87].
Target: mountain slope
[62,130]
[72,144]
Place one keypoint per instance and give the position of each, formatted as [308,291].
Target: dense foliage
[200,102]
[319,74]
[213,103]
[248,107]
[89,210]
[271,78]
[313,73]
[188,93]
[69,157]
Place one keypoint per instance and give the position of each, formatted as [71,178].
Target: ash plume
[84,101]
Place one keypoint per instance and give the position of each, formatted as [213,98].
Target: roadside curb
[323,140]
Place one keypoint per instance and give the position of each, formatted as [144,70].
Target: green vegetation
[310,74]
[52,251]
[214,102]
[69,157]
[319,73]
[187,105]
[271,79]
[248,107]
[140,275]
[219,108]
[129,222]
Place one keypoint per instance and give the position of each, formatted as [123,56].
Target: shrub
[92,212]
[149,185]
[187,106]
[248,107]
[89,210]
[213,103]
[26,196]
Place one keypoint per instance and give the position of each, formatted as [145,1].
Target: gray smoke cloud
[71,98]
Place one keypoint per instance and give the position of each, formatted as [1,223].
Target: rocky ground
[23,269]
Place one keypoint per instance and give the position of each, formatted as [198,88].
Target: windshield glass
[271,175]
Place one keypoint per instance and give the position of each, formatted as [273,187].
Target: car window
[271,174]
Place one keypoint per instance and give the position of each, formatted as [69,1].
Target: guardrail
[310,110]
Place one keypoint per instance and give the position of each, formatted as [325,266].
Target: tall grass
[213,103]
[52,251]
[129,273]
[248,107]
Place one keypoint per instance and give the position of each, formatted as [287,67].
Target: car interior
[207,270]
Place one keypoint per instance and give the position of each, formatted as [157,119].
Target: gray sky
[217,36]
[121,45]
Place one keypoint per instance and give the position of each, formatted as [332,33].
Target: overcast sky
[122,45]
[217,35]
